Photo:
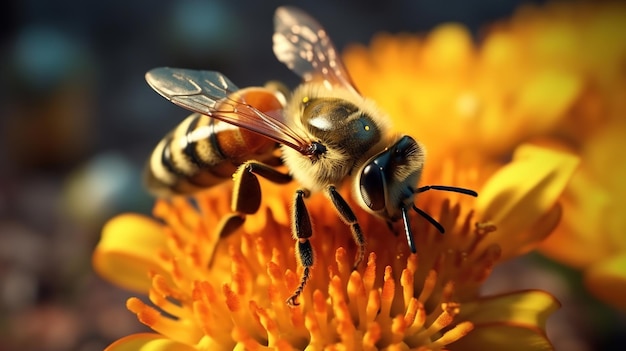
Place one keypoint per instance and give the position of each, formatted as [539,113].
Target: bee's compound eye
[372,185]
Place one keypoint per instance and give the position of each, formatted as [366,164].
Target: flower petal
[502,337]
[522,194]
[147,342]
[513,321]
[607,280]
[545,97]
[127,249]
[586,213]
[528,308]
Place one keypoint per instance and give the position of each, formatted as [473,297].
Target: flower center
[396,298]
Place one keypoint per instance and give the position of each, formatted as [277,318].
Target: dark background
[78,121]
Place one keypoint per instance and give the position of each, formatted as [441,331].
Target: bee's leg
[304,251]
[346,215]
[246,196]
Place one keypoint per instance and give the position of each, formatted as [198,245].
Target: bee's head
[387,184]
[387,180]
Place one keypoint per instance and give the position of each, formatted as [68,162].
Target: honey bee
[325,133]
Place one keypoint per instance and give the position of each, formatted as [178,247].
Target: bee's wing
[207,92]
[302,44]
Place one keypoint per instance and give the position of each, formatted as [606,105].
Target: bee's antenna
[446,188]
[430,219]
[407,229]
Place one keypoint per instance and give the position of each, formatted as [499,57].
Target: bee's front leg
[348,217]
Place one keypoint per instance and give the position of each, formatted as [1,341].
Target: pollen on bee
[367,127]
[305,99]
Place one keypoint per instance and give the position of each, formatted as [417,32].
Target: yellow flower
[593,221]
[595,126]
[551,74]
[472,107]
[229,294]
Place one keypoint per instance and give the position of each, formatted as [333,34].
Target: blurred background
[78,121]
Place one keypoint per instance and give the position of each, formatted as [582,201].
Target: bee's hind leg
[246,195]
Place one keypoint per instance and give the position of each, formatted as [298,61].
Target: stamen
[373,305]
[335,290]
[358,298]
[205,318]
[320,312]
[278,288]
[398,329]
[208,310]
[454,334]
[241,277]
[411,311]
[442,321]
[204,291]
[372,336]
[369,275]
[345,327]
[388,292]
[418,312]
[162,296]
[273,334]
[429,286]
[406,281]
[161,324]
[244,340]
[343,263]
[232,300]
[317,339]
[448,291]
[262,251]
[161,287]
[170,214]
[146,314]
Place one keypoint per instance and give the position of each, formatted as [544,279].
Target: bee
[324,132]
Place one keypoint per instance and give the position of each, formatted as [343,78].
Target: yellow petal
[502,337]
[545,98]
[127,249]
[513,321]
[607,280]
[147,342]
[449,49]
[522,308]
[584,228]
[523,194]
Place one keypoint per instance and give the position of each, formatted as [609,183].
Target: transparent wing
[208,93]
[302,44]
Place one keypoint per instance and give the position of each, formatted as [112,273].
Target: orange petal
[607,280]
[147,342]
[522,195]
[127,251]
